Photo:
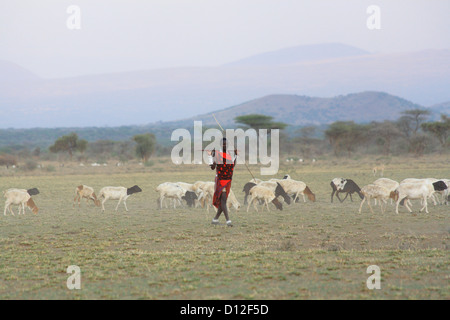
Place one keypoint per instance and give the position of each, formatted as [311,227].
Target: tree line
[70,146]
[410,134]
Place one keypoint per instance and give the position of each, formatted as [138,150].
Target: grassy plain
[309,250]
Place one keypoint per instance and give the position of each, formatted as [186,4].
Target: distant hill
[11,72]
[148,96]
[294,110]
[302,110]
[301,54]
[441,108]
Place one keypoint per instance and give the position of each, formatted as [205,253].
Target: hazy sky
[122,35]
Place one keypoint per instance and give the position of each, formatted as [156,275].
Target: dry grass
[307,251]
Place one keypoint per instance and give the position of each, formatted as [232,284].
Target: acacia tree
[409,124]
[260,121]
[145,145]
[439,129]
[346,135]
[415,117]
[70,144]
[386,131]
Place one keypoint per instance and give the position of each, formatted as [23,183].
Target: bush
[8,160]
[30,165]
[149,163]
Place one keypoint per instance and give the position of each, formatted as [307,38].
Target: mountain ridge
[295,110]
[142,97]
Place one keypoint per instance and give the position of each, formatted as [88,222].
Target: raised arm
[211,157]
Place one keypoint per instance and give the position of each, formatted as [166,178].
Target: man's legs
[222,208]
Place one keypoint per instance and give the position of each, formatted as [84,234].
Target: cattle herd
[257,192]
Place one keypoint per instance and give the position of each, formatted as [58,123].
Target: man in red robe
[224,165]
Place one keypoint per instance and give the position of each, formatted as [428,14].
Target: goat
[373,191]
[295,188]
[20,197]
[277,188]
[207,193]
[445,195]
[171,191]
[190,197]
[441,188]
[194,188]
[233,202]
[429,180]
[83,191]
[248,186]
[349,187]
[265,194]
[273,185]
[336,184]
[117,193]
[378,169]
[417,190]
[389,184]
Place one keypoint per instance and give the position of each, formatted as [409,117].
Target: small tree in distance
[260,121]
[439,129]
[69,143]
[145,145]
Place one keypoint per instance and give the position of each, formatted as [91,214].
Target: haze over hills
[143,97]
[294,110]
[361,107]
[443,108]
[301,54]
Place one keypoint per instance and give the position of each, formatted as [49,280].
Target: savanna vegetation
[309,250]
[411,134]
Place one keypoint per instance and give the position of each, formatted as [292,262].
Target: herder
[224,164]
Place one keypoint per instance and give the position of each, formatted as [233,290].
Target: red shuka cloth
[224,170]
